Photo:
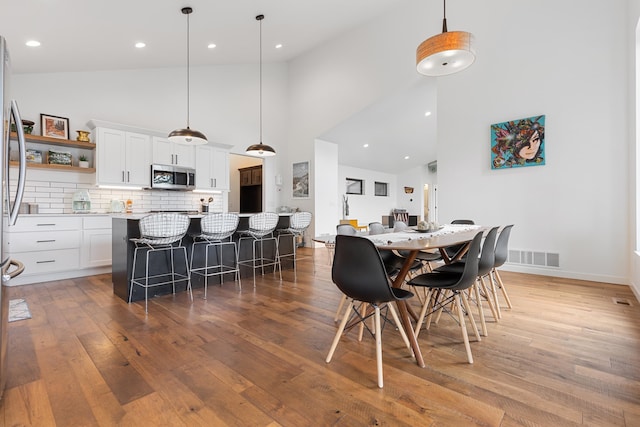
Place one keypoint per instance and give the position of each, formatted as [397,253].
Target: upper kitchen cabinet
[123,158]
[166,152]
[212,168]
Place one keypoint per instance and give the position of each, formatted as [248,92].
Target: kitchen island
[126,226]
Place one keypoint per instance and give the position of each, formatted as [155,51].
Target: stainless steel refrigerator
[9,202]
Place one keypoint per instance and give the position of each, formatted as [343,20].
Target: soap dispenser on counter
[81,202]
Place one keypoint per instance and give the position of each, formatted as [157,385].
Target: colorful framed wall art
[518,143]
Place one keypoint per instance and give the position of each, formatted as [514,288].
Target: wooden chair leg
[503,289]
[396,319]
[342,301]
[463,328]
[483,323]
[494,293]
[343,323]
[467,307]
[378,345]
[423,311]
[489,298]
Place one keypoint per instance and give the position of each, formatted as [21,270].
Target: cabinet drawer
[96,222]
[44,223]
[44,241]
[45,262]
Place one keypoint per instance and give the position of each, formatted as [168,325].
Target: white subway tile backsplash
[55,198]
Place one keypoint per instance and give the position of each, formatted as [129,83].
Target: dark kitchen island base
[124,228]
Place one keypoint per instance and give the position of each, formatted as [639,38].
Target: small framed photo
[34,156]
[354,186]
[300,176]
[54,126]
[59,158]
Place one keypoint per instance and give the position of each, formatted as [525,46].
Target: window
[380,188]
[354,186]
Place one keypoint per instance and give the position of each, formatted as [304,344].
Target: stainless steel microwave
[173,177]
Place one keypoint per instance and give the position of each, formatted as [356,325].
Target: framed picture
[518,143]
[34,156]
[354,186]
[300,178]
[59,158]
[54,127]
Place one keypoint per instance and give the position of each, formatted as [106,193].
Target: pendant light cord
[444,19]
[188,90]
[261,80]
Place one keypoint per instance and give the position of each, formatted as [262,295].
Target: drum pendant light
[187,136]
[260,149]
[445,53]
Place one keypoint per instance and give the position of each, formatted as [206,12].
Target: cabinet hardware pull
[128,176]
[123,176]
[46,241]
[45,262]
[45,225]
[176,159]
[215,182]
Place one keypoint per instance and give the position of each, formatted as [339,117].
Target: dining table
[413,241]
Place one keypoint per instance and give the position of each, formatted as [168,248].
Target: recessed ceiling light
[33,43]
[365,145]
[211,45]
[427,114]
[279,45]
[406,157]
[140,45]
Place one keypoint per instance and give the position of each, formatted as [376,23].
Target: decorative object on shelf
[445,53]
[518,143]
[300,180]
[187,136]
[83,136]
[34,156]
[59,158]
[260,149]
[27,125]
[408,190]
[345,206]
[54,126]
[129,206]
[83,162]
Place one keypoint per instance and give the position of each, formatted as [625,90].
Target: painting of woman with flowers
[518,143]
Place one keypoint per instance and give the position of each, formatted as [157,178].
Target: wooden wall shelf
[61,168]
[56,141]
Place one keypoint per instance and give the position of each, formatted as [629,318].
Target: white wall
[367,207]
[325,175]
[633,66]
[566,60]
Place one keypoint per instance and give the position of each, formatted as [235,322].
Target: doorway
[238,162]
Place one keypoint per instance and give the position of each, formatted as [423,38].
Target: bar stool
[216,233]
[261,228]
[158,233]
[298,224]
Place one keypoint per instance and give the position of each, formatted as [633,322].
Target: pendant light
[445,53]
[260,149]
[187,136]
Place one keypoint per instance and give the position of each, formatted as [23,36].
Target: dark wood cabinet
[251,176]
[251,189]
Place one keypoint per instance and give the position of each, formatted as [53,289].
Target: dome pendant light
[261,149]
[445,53]
[187,136]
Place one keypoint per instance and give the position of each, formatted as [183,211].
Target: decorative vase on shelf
[83,136]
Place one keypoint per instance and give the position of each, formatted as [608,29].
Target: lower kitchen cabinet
[59,247]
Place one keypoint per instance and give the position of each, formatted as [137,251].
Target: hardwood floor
[565,355]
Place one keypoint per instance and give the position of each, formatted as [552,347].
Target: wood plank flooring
[565,355]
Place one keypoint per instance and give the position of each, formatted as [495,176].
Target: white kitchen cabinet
[46,244]
[96,241]
[123,158]
[60,246]
[212,168]
[166,152]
